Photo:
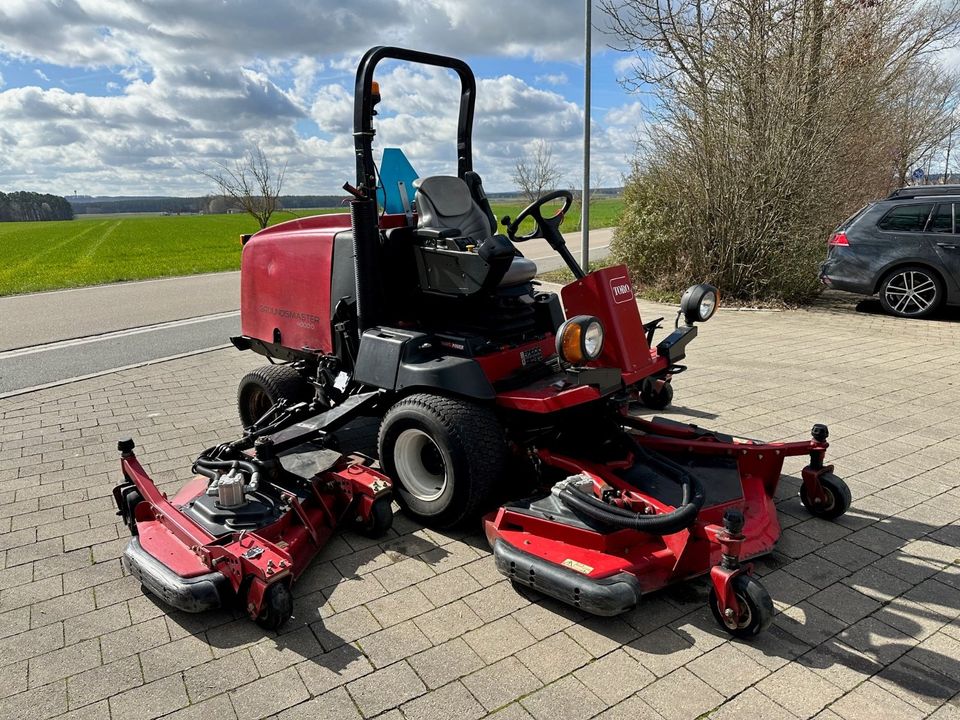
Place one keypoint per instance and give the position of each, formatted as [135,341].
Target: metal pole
[585,196]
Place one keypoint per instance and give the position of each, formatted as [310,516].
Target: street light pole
[585,194]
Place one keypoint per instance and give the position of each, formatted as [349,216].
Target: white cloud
[625,115]
[2,83]
[41,74]
[553,79]
[193,82]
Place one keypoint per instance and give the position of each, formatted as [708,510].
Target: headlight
[699,303]
[580,339]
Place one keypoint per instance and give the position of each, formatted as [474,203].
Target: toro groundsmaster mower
[415,310]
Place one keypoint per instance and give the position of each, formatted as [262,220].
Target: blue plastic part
[394,168]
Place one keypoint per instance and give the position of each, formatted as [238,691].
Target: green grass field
[89,251]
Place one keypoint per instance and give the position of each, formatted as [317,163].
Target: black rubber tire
[754,597]
[938,299]
[263,387]
[277,606]
[131,499]
[380,520]
[838,495]
[471,443]
[656,399]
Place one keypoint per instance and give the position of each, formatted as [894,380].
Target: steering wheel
[546,227]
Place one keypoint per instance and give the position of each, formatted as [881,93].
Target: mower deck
[247,527]
[544,544]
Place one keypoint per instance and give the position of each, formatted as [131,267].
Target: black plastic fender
[396,359]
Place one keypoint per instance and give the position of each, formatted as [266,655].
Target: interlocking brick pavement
[421,625]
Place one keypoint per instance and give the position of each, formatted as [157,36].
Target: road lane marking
[103,337]
[100,373]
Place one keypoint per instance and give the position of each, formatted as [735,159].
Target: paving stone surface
[420,624]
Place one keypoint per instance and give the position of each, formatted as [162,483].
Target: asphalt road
[54,337]
[55,362]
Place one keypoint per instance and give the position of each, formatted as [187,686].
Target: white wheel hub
[420,466]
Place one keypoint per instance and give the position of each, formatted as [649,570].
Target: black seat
[445,203]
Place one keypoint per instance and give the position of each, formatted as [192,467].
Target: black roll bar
[363,109]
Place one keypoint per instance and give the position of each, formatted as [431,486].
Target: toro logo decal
[620,287]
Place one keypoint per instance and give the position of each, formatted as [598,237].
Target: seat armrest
[433,233]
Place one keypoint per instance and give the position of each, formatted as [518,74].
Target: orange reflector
[374,87]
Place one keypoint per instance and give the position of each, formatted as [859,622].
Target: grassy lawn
[89,251]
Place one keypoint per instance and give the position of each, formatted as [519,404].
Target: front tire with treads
[260,389]
[444,455]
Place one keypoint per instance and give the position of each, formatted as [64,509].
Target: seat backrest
[444,201]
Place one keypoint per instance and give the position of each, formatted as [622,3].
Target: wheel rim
[743,620]
[828,500]
[420,465]
[911,292]
[258,402]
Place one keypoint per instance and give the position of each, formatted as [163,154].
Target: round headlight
[699,303]
[593,340]
[580,339]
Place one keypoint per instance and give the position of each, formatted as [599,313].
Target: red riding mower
[424,316]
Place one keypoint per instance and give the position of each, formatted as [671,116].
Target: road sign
[918,174]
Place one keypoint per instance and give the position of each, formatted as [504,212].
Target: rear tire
[444,455]
[912,292]
[261,389]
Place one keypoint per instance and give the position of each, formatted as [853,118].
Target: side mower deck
[545,544]
[247,526]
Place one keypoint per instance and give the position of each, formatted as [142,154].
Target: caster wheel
[837,500]
[277,606]
[380,520]
[131,499]
[653,398]
[756,608]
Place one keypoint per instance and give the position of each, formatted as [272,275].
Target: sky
[139,97]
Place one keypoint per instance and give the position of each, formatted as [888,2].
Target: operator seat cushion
[445,201]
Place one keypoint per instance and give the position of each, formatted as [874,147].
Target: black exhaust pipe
[366,261]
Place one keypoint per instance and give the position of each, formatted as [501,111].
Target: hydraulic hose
[208,468]
[664,524]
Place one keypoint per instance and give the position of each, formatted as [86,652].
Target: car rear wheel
[912,291]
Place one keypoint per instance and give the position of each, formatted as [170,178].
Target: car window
[906,218]
[942,220]
[853,218]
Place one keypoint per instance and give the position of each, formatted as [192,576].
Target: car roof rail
[907,193]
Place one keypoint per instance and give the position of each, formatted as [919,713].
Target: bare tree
[925,103]
[770,121]
[537,173]
[252,183]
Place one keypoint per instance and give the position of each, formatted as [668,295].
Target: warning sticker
[578,566]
